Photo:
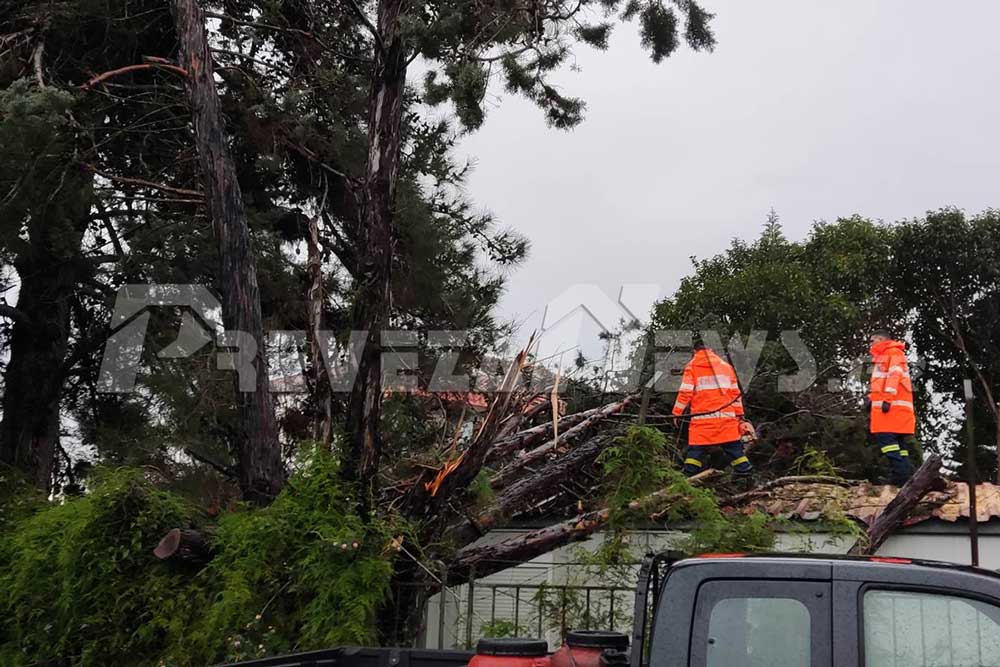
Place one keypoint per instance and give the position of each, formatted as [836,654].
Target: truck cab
[732,610]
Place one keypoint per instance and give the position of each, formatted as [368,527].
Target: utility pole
[971,475]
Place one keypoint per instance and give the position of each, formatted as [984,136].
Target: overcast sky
[818,109]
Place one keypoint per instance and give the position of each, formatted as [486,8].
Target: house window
[929,629]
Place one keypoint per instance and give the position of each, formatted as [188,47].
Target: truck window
[761,624]
[929,629]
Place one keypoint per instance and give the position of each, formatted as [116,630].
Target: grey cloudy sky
[818,109]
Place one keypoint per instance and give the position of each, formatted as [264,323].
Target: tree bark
[261,473]
[510,444]
[50,269]
[522,492]
[927,478]
[487,559]
[376,247]
[512,471]
[322,426]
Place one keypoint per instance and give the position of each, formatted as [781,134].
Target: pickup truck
[735,610]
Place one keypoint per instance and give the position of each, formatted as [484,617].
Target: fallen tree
[483,560]
[577,432]
[927,478]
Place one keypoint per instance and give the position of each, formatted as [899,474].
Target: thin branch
[109,227]
[13,313]
[143,182]
[37,60]
[368,24]
[132,68]
[226,471]
[297,31]
[236,54]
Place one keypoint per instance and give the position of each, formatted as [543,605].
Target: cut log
[515,469]
[184,546]
[927,478]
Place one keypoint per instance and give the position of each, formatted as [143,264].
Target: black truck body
[732,610]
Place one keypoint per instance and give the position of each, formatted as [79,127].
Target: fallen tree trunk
[513,425]
[506,446]
[508,474]
[532,487]
[483,560]
[766,488]
[927,478]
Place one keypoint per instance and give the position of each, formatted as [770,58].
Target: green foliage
[947,274]
[79,582]
[637,466]
[459,41]
[18,498]
[815,462]
[502,627]
[481,490]
[633,467]
[934,281]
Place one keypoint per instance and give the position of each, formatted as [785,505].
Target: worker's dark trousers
[893,448]
[694,459]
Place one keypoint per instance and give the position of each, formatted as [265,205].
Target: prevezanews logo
[425,361]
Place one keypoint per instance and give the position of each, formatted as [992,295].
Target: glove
[677,423]
[747,432]
[886,405]
[868,404]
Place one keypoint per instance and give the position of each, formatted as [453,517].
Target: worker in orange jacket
[711,395]
[890,404]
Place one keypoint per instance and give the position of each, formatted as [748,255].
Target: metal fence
[457,617]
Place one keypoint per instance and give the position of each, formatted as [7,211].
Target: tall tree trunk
[321,428]
[49,270]
[261,474]
[376,245]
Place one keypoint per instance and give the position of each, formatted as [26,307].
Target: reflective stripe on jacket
[890,383]
[709,389]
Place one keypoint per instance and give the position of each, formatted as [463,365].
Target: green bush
[79,585]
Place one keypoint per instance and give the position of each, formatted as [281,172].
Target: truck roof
[849,567]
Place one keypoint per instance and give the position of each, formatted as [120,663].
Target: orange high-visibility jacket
[710,389]
[891,382]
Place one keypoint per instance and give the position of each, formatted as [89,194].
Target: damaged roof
[864,502]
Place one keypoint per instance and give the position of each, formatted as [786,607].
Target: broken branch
[131,68]
[927,478]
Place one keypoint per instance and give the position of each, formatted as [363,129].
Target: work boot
[744,481]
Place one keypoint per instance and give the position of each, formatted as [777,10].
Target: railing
[464,614]
[616,611]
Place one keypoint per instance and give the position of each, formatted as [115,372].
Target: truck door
[760,623]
